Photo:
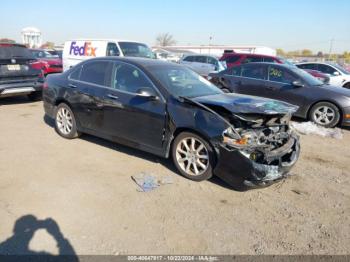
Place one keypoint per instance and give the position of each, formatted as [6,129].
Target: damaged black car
[168,110]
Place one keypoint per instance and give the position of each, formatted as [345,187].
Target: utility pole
[330,49]
[210,38]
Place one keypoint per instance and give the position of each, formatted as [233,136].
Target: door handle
[72,85]
[113,97]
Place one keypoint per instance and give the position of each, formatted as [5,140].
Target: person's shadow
[24,230]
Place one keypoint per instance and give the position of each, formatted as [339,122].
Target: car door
[129,116]
[251,81]
[335,77]
[279,85]
[86,85]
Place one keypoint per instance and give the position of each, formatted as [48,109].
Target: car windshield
[13,51]
[183,82]
[309,79]
[341,69]
[136,49]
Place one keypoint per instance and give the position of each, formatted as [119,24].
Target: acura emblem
[13,61]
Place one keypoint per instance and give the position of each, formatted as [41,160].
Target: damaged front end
[264,152]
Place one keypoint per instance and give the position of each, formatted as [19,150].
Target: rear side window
[308,66]
[96,73]
[232,59]
[112,50]
[256,72]
[234,71]
[269,60]
[201,59]
[188,59]
[251,59]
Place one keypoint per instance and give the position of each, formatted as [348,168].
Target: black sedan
[321,103]
[170,111]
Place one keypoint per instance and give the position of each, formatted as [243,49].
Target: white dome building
[31,36]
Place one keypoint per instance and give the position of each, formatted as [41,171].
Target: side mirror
[297,84]
[336,73]
[146,92]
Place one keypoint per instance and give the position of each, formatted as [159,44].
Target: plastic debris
[310,128]
[149,182]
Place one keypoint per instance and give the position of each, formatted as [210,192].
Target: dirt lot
[84,185]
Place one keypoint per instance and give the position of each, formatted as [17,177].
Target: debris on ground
[310,128]
[148,182]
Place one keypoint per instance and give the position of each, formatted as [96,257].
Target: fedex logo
[85,50]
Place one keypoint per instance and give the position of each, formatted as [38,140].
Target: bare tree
[165,39]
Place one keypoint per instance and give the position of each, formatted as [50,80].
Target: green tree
[306,52]
[48,45]
[280,52]
[7,40]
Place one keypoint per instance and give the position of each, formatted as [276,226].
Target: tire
[195,165]
[325,114]
[65,124]
[347,85]
[35,96]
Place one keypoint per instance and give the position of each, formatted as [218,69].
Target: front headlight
[247,139]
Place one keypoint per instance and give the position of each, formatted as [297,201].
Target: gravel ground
[84,185]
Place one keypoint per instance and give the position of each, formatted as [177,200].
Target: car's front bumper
[21,88]
[236,169]
[346,116]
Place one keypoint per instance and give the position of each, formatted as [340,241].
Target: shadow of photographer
[23,232]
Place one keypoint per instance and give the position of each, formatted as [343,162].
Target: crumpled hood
[237,103]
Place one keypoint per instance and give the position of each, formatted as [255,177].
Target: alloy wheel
[192,156]
[324,115]
[64,121]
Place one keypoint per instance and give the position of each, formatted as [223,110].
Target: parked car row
[323,104]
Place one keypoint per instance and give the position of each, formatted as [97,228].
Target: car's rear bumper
[236,169]
[15,89]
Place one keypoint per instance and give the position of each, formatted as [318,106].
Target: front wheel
[347,85]
[65,123]
[325,114]
[193,156]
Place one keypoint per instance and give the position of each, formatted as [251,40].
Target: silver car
[203,64]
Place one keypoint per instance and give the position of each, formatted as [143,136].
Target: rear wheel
[193,156]
[65,123]
[35,96]
[325,114]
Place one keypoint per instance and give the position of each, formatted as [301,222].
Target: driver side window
[129,78]
[280,75]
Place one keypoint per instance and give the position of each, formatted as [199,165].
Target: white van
[79,50]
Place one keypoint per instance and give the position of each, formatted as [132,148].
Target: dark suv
[17,75]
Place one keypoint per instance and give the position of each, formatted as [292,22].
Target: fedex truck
[79,50]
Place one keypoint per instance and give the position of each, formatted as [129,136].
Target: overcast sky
[290,25]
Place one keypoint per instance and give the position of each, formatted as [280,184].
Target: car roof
[138,61]
[104,40]
[269,63]
[11,44]
[194,54]
[249,54]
